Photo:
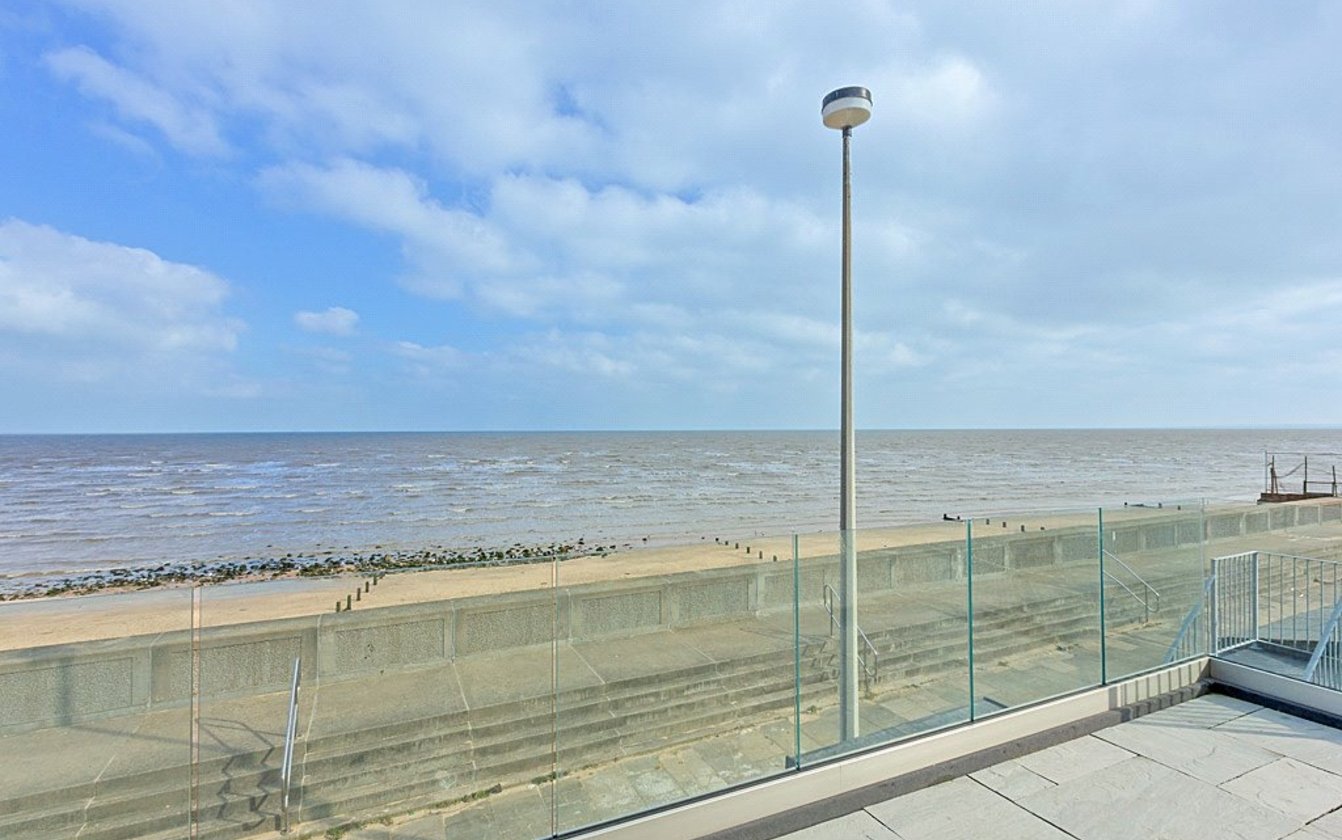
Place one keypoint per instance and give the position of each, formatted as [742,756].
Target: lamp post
[845,109]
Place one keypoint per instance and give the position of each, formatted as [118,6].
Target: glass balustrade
[1036,593]
[675,675]
[1155,571]
[541,698]
[95,712]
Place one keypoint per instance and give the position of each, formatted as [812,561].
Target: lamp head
[847,107]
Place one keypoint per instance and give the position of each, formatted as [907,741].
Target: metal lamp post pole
[848,651]
[844,109]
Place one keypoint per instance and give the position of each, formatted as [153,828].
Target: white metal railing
[1296,597]
[1234,601]
[1278,601]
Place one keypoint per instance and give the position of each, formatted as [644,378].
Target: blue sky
[248,216]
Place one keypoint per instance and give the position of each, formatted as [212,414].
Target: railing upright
[1215,617]
[1254,592]
[290,736]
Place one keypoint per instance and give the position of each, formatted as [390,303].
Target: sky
[250,215]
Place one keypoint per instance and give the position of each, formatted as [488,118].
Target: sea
[73,503]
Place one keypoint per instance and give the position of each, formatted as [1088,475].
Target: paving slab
[1303,740]
[957,809]
[1011,779]
[1330,824]
[1141,798]
[858,825]
[1311,833]
[1205,754]
[1296,789]
[1202,712]
[1074,759]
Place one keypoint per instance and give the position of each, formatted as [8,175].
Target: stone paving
[1214,767]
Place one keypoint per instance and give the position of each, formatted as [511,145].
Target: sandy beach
[67,619]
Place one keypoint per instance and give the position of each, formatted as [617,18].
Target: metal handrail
[1190,621]
[1320,560]
[1325,640]
[1144,598]
[290,736]
[828,596]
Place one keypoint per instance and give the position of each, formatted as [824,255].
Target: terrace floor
[1214,767]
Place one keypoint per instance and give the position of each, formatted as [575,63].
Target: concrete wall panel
[64,692]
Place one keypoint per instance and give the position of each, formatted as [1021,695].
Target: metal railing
[1296,596]
[290,736]
[828,597]
[1325,664]
[1234,601]
[1148,592]
[1192,639]
[1279,601]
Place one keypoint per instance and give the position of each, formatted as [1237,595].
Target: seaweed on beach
[316,564]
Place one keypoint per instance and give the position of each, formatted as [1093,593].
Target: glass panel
[95,722]
[676,675]
[1155,575]
[426,698]
[911,663]
[506,662]
[252,635]
[1036,607]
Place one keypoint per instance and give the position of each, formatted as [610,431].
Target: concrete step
[456,754]
[493,749]
[621,741]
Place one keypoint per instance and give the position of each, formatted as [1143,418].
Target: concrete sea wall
[66,684]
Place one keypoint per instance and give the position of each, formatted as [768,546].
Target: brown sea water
[69,503]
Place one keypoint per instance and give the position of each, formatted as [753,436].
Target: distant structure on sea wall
[1278,467]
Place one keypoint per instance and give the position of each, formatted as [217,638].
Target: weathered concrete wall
[65,684]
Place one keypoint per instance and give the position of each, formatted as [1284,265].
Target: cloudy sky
[511,215]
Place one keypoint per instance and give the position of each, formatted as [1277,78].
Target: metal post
[1253,597]
[969,606]
[848,651]
[796,648]
[197,610]
[290,736]
[1295,610]
[1104,652]
[1214,619]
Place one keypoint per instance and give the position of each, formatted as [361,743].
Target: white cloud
[430,361]
[1044,194]
[190,127]
[80,308]
[337,320]
[443,245]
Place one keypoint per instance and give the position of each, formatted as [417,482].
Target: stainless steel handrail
[290,736]
[828,597]
[1149,590]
